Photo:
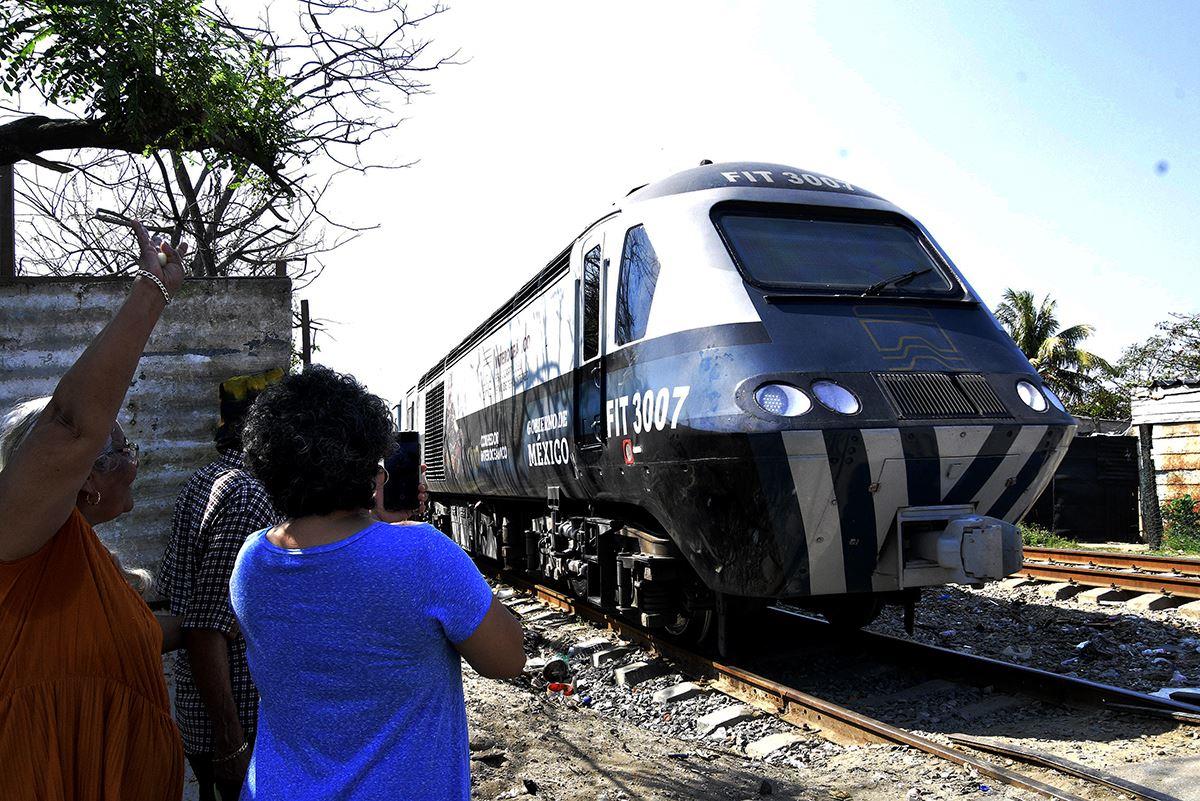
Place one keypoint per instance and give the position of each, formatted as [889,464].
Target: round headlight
[1031,396]
[1054,399]
[836,398]
[782,399]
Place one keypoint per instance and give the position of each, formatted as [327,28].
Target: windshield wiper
[895,280]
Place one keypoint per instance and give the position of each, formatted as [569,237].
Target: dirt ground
[626,746]
[527,746]
[521,741]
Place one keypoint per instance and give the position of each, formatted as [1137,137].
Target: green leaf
[34,41]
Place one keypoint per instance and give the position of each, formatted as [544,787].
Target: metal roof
[1101,426]
[1191,382]
[752,174]
[1172,401]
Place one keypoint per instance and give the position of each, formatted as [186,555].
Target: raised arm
[39,484]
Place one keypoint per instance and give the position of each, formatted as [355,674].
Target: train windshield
[833,255]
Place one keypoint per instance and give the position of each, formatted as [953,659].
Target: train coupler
[954,545]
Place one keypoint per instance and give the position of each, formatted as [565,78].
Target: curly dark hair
[315,441]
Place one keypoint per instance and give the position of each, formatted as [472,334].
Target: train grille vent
[981,394]
[435,433]
[917,396]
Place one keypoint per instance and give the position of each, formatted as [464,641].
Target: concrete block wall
[214,329]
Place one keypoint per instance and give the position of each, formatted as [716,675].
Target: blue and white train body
[746,381]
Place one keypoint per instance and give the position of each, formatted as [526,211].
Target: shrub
[1181,525]
[1036,536]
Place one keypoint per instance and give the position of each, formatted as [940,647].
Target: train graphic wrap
[748,381]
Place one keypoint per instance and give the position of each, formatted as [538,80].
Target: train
[746,383]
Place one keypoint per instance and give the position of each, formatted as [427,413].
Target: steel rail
[1164,583]
[799,708]
[1144,563]
[1065,766]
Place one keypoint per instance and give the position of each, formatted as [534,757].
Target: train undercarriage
[625,567]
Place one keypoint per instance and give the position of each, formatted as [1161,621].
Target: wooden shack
[1169,411]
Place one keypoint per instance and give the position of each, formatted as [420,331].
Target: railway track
[763,688]
[1166,575]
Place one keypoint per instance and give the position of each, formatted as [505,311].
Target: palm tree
[1056,354]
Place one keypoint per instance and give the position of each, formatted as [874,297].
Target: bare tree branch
[345,64]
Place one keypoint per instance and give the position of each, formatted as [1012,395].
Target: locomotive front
[815,403]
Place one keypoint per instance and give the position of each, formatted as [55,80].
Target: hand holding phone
[403,490]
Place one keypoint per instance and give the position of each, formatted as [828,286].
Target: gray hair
[18,423]
[16,426]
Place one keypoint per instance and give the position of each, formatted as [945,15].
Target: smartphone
[404,473]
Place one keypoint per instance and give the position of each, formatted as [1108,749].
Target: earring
[95,502]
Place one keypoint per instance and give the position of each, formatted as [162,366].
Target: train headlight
[836,398]
[1031,396]
[782,399]
[1054,399]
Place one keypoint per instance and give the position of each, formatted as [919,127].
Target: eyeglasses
[129,450]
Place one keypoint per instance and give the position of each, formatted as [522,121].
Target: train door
[590,431]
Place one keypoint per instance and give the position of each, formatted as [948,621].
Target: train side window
[635,289]
[591,304]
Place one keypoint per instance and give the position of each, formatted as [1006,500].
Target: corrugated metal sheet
[1092,426]
[215,328]
[1093,496]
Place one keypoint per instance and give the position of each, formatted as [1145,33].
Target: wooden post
[8,223]
[1152,527]
[305,335]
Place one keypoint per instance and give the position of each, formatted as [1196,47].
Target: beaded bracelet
[233,754]
[161,286]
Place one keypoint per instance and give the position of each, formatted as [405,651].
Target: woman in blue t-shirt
[354,627]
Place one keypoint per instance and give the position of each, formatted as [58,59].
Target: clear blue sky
[1026,136]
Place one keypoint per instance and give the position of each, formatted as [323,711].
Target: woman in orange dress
[84,714]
